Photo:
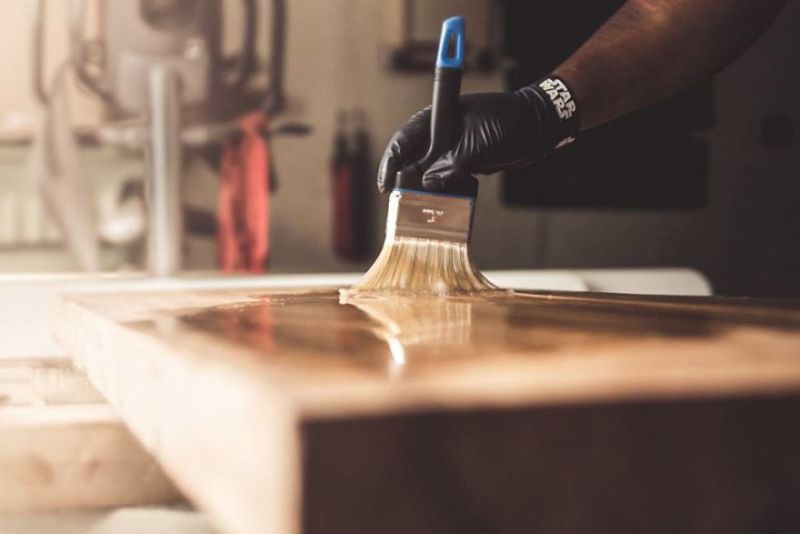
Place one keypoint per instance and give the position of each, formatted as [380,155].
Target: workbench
[290,411]
[71,464]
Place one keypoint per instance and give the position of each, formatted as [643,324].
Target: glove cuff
[560,111]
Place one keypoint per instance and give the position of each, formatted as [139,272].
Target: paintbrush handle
[445,110]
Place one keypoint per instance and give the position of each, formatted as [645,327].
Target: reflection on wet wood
[383,395]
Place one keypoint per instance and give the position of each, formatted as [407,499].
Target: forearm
[651,49]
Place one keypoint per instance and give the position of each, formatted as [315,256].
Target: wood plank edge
[250,485]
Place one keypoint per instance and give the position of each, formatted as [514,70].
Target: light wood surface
[63,447]
[237,391]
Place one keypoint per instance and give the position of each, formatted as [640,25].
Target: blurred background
[104,103]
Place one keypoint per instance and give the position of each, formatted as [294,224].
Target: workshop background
[744,233]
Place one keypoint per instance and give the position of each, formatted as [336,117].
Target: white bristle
[411,265]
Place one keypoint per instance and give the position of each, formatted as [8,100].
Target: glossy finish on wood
[262,404]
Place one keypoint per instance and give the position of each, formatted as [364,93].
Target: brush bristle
[413,266]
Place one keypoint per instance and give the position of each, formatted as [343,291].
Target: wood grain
[281,411]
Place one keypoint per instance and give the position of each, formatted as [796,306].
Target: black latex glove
[499,132]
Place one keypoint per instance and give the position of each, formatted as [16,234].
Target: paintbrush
[427,234]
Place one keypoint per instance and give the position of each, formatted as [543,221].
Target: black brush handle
[445,112]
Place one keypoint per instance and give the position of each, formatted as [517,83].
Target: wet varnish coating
[295,413]
[416,332]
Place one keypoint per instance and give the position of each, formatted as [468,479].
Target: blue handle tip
[453,32]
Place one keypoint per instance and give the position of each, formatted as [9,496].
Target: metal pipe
[165,228]
[275,99]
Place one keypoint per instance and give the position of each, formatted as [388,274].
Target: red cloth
[243,199]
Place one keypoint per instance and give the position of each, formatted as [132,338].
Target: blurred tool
[163,60]
[363,185]
[427,234]
[182,35]
[243,210]
[342,175]
[128,222]
[352,181]
[63,185]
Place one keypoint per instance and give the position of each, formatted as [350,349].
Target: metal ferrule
[429,216]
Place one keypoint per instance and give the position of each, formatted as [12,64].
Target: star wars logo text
[560,96]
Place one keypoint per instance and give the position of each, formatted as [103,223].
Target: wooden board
[63,447]
[294,412]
